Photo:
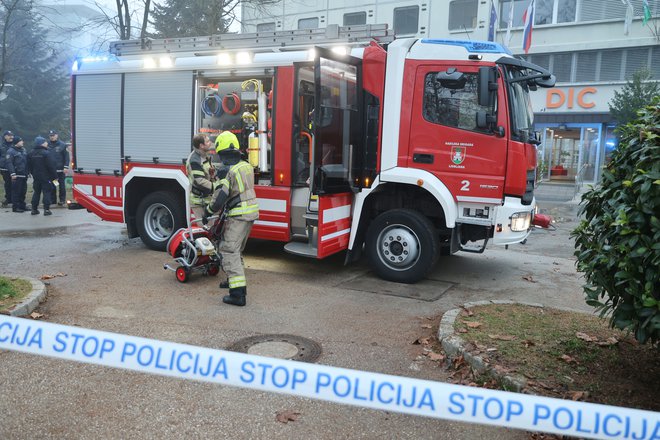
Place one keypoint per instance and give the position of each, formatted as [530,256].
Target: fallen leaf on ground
[578,395]
[502,337]
[426,325]
[422,341]
[49,277]
[585,337]
[528,343]
[566,358]
[435,356]
[472,324]
[467,311]
[462,330]
[528,278]
[35,315]
[609,341]
[287,416]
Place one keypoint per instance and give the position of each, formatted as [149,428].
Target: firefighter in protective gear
[200,173]
[236,195]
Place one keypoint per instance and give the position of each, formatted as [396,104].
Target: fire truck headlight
[243,58]
[520,221]
[224,59]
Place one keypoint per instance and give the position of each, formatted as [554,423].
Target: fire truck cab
[400,149]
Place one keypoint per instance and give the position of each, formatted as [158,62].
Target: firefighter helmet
[226,140]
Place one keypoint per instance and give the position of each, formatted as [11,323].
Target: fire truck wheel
[181,274]
[158,216]
[402,245]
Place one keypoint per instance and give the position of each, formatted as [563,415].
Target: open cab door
[337,139]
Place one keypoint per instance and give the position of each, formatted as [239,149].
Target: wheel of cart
[212,269]
[182,274]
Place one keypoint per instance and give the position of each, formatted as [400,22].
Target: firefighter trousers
[234,236]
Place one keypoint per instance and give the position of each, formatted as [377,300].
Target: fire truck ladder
[276,41]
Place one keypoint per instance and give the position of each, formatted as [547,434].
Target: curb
[31,300]
[454,345]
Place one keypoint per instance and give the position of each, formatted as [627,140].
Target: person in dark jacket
[6,144]
[61,156]
[17,167]
[41,164]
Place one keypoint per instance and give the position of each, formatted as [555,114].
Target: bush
[618,241]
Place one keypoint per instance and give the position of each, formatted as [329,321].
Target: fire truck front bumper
[513,221]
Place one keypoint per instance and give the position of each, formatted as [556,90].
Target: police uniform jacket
[200,174]
[61,155]
[41,164]
[17,162]
[237,191]
[4,149]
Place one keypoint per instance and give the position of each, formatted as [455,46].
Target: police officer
[41,164]
[17,167]
[200,174]
[6,144]
[61,157]
[236,195]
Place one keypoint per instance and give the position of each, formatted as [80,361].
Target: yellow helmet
[226,140]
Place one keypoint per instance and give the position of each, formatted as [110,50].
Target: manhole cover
[290,347]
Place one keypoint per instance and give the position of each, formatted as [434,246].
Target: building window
[519,7]
[452,107]
[566,10]
[463,14]
[562,66]
[308,23]
[544,10]
[592,10]
[610,65]
[585,68]
[355,18]
[406,20]
[266,27]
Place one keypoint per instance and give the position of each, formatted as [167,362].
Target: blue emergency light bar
[473,46]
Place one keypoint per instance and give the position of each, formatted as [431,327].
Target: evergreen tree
[36,87]
[192,18]
[635,94]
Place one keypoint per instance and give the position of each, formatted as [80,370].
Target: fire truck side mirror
[487,86]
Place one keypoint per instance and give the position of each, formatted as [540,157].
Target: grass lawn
[12,292]
[28,196]
[564,354]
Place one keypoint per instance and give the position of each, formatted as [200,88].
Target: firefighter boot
[236,296]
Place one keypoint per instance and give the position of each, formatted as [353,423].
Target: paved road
[115,284]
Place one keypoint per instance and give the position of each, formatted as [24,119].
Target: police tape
[340,385]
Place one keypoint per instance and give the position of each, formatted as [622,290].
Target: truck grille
[529,188]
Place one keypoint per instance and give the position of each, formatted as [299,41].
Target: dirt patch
[562,354]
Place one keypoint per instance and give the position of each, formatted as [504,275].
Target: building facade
[592,46]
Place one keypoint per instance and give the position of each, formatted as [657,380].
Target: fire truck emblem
[458,155]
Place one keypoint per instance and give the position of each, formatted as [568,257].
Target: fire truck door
[445,139]
[337,144]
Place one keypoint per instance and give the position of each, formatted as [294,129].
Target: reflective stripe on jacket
[238,186]
[199,171]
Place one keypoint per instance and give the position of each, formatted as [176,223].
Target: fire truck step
[301,249]
[312,218]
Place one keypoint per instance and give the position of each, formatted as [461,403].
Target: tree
[618,241]
[635,94]
[126,14]
[182,18]
[38,99]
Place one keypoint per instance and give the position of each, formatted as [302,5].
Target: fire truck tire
[158,216]
[402,246]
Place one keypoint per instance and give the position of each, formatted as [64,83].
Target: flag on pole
[509,25]
[528,18]
[647,12]
[627,22]
[493,21]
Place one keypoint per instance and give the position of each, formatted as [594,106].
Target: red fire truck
[401,149]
